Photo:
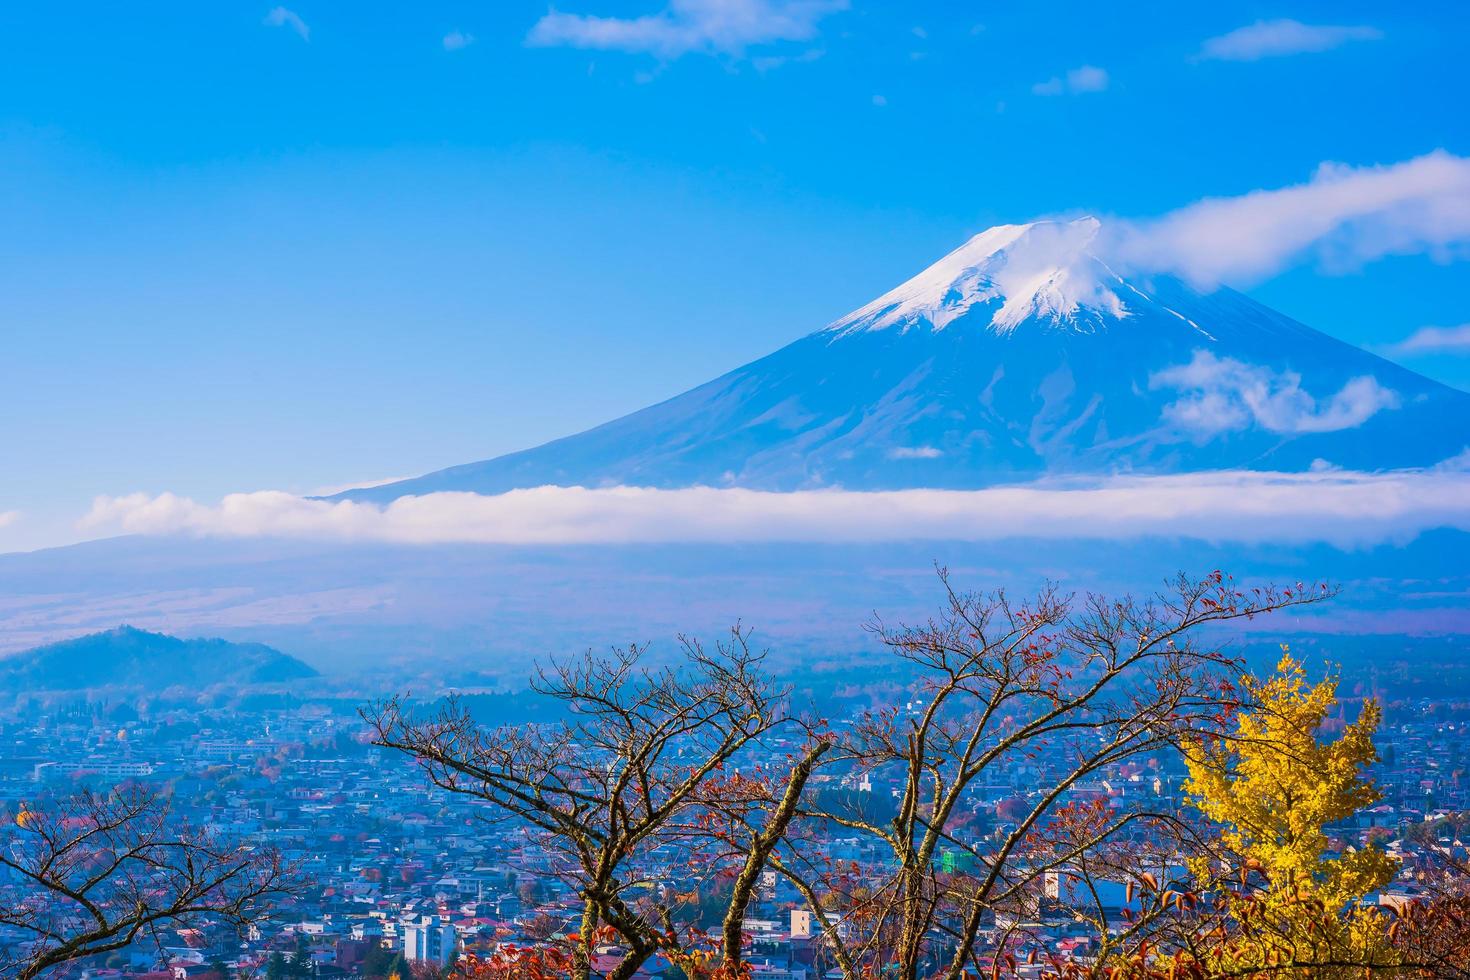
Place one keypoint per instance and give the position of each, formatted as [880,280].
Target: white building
[108,768]
[431,939]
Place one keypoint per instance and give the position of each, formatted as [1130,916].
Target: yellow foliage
[1272,787]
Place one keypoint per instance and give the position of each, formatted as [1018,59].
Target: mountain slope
[1020,355]
[129,657]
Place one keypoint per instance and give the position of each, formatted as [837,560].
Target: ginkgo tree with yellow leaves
[1272,788]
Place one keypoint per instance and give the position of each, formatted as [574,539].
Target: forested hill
[130,657]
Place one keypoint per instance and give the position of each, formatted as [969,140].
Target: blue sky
[254,247]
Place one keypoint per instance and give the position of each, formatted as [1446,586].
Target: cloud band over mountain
[1344,217]
[1337,507]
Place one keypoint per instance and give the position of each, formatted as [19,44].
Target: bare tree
[635,769]
[95,873]
[1432,931]
[663,775]
[1064,689]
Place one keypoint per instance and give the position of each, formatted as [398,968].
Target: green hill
[130,657]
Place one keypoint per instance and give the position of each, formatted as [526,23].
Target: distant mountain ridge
[1020,355]
[130,657]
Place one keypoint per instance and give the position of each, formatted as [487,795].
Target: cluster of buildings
[394,867]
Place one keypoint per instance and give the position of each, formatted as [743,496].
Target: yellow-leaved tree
[1272,787]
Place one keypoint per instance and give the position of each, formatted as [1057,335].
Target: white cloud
[458,40]
[281,17]
[915,452]
[8,517]
[770,62]
[1335,506]
[1272,38]
[1226,395]
[684,26]
[1088,78]
[1435,340]
[1345,216]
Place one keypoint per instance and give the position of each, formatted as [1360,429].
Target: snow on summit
[1019,355]
[1045,270]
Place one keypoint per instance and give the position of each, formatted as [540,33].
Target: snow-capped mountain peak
[1013,358]
[1044,270]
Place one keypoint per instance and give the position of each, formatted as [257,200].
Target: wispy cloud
[1345,216]
[458,40]
[1223,394]
[684,26]
[1088,78]
[1274,38]
[1434,340]
[770,62]
[8,517]
[281,17]
[915,452]
[1334,506]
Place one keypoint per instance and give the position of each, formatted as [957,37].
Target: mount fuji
[1021,355]
[1029,355]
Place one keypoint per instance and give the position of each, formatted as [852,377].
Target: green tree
[302,965]
[378,961]
[399,969]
